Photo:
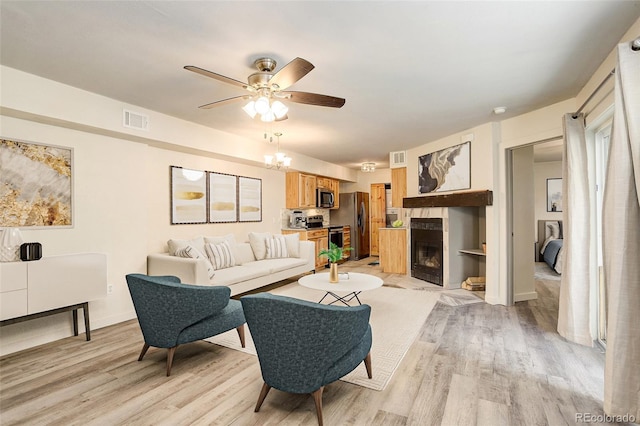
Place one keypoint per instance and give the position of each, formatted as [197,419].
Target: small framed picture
[554,194]
[249,199]
[188,196]
[223,198]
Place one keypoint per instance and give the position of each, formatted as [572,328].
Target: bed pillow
[257,241]
[553,229]
[276,247]
[189,251]
[220,255]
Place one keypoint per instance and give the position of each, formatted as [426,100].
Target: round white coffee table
[351,283]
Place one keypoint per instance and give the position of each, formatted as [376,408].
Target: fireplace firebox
[426,250]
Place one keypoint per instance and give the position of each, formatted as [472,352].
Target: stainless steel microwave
[324,198]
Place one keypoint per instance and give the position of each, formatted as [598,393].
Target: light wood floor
[472,365]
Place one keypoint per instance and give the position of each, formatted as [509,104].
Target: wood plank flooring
[474,364]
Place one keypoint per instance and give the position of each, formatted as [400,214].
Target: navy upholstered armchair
[303,346]
[171,313]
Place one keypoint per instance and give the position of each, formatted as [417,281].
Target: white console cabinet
[34,289]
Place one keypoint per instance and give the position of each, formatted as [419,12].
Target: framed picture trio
[199,196]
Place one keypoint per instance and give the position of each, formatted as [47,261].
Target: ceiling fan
[268,88]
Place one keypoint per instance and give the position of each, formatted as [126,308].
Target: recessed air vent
[135,120]
[397,159]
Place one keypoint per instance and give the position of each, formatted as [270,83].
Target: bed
[550,243]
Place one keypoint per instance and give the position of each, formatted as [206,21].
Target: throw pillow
[191,252]
[221,255]
[276,247]
[174,245]
[257,240]
[293,243]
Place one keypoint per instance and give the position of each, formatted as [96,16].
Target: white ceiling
[411,72]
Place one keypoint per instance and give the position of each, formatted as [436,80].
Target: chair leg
[317,398]
[144,351]
[170,353]
[241,334]
[263,394]
[367,364]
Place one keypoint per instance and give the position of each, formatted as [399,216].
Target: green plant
[333,253]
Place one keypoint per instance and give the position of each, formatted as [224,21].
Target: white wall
[523,214]
[121,187]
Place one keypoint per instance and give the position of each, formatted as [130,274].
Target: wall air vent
[135,120]
[398,159]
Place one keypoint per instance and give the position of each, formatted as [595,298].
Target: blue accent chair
[303,346]
[171,313]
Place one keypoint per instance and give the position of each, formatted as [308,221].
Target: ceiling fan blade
[291,73]
[215,76]
[314,99]
[224,102]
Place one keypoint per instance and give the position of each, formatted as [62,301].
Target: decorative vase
[10,242]
[333,273]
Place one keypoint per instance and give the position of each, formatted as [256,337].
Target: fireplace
[426,250]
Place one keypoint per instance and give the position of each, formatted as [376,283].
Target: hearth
[426,250]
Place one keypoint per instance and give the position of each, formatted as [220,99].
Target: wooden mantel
[456,199]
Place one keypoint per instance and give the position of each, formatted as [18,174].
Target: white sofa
[248,273]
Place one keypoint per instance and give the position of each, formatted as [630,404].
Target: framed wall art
[36,184]
[446,170]
[223,197]
[554,194]
[188,196]
[249,199]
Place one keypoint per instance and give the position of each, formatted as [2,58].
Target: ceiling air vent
[398,159]
[135,120]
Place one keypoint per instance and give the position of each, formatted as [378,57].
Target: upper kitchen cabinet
[301,190]
[398,186]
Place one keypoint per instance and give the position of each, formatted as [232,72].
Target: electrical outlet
[109,289]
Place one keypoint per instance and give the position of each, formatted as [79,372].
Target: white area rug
[397,315]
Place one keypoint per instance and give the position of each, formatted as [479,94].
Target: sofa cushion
[220,255]
[240,273]
[174,244]
[277,265]
[276,247]
[191,252]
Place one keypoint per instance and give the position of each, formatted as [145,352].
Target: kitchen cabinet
[346,241]
[398,186]
[320,237]
[377,211]
[393,250]
[301,190]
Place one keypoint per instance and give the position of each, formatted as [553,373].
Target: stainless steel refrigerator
[354,211]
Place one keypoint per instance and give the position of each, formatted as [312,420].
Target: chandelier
[268,109]
[279,160]
[368,167]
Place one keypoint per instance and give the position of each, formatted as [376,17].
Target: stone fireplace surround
[463,217]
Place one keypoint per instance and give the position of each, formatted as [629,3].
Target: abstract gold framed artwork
[249,199]
[188,196]
[223,197]
[36,184]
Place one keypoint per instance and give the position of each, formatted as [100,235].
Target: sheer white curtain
[621,242]
[573,312]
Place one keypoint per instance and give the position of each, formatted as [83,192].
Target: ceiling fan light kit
[264,86]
